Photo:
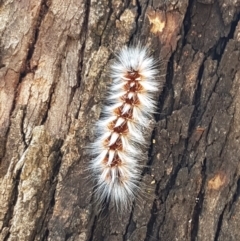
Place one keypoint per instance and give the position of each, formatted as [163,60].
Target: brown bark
[54,63]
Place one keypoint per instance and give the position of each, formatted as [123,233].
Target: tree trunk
[54,63]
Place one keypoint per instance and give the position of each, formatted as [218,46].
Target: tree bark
[54,62]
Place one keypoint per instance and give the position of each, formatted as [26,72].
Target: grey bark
[54,62]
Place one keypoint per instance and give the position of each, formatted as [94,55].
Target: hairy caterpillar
[117,151]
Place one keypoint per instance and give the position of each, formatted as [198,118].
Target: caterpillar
[117,150]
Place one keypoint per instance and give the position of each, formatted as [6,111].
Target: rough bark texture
[54,60]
